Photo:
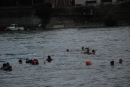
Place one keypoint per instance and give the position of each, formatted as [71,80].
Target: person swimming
[67,50]
[112,63]
[82,48]
[120,61]
[28,60]
[6,67]
[93,52]
[35,62]
[87,51]
[49,59]
[20,61]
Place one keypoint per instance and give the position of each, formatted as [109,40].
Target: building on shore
[96,2]
[60,3]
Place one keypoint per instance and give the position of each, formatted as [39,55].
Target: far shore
[61,26]
[90,25]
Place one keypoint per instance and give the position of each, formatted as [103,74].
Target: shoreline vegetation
[67,17]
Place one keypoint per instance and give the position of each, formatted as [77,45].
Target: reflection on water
[68,69]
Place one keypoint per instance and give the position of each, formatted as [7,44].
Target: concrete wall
[59,22]
[21,21]
[26,22]
[27,18]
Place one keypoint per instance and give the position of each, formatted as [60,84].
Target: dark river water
[68,69]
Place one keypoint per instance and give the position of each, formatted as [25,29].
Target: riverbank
[76,26]
[70,17]
[65,26]
[69,22]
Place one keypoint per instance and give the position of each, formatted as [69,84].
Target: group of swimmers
[87,50]
[120,61]
[7,67]
[88,62]
[35,61]
[32,61]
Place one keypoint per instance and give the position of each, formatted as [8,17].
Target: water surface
[68,69]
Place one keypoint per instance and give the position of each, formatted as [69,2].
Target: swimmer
[112,63]
[93,52]
[6,67]
[120,61]
[87,51]
[49,59]
[20,61]
[67,50]
[28,60]
[82,48]
[34,62]
[10,68]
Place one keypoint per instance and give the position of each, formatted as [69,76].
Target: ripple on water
[68,69]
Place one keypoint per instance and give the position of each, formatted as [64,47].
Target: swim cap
[86,47]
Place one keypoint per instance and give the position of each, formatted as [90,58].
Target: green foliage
[110,19]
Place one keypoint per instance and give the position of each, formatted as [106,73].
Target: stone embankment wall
[27,18]
[60,22]
[71,22]
[23,17]
[24,21]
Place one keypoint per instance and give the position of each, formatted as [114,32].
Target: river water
[68,69]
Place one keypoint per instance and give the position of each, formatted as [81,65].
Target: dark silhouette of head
[49,59]
[112,63]
[7,64]
[67,50]
[10,68]
[93,51]
[82,48]
[20,61]
[120,61]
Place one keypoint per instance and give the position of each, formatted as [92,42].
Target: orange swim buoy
[88,62]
